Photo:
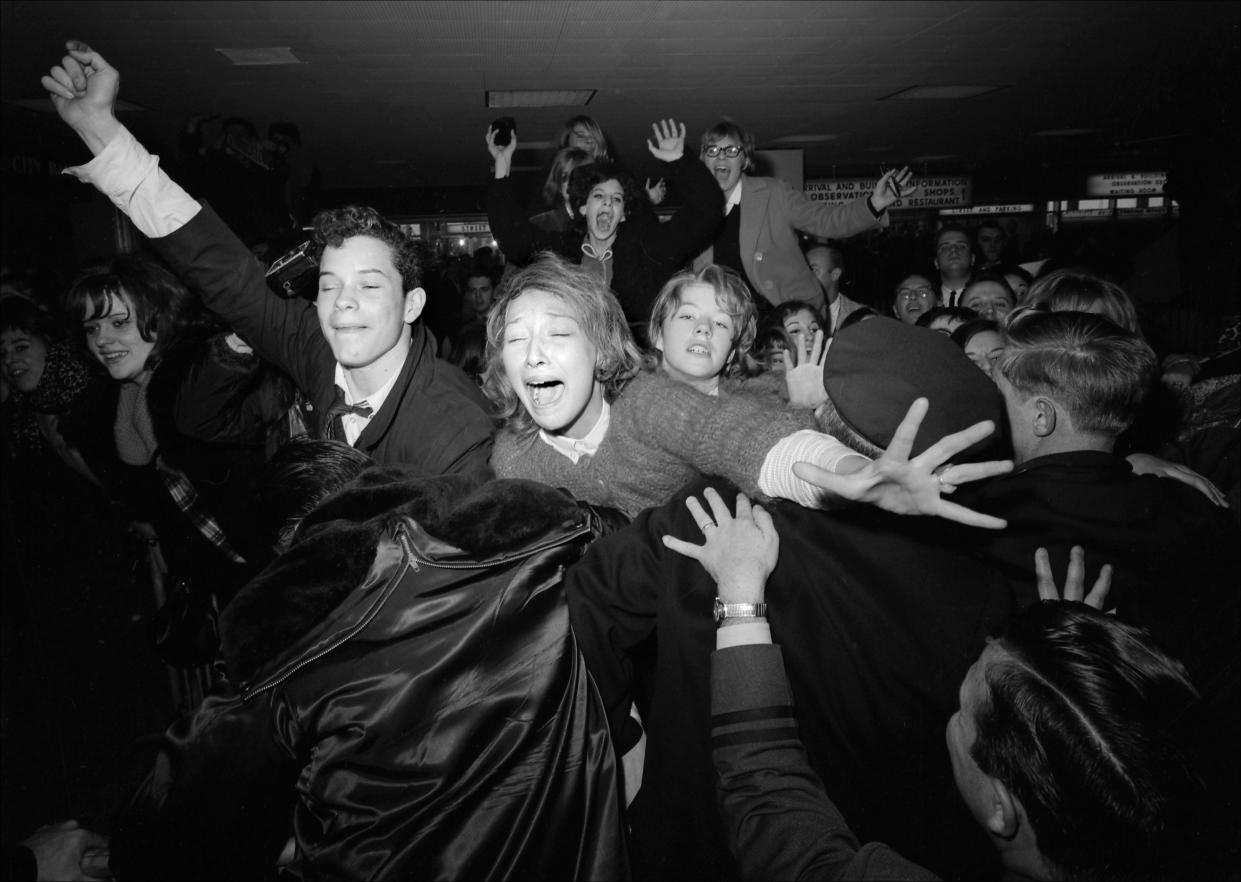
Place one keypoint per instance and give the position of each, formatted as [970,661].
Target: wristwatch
[738,610]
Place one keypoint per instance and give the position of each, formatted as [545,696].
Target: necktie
[336,414]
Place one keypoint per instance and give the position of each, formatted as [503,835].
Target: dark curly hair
[585,178]
[333,226]
[165,312]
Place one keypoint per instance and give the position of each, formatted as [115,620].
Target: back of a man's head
[1097,371]
[1090,726]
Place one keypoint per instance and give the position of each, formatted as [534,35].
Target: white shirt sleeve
[776,477]
[741,634]
[131,177]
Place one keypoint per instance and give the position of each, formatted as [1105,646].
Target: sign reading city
[1127,184]
[941,192]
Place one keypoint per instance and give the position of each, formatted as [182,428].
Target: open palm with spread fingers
[669,141]
[896,483]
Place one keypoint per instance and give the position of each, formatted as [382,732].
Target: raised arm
[517,237]
[192,240]
[780,820]
[693,225]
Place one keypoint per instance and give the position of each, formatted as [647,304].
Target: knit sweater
[662,435]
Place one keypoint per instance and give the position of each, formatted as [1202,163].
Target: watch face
[719,610]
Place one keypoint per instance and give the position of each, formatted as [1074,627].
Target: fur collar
[337,543]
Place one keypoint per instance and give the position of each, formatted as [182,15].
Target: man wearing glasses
[758,234]
[915,296]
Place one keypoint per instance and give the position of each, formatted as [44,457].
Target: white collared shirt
[735,197]
[355,423]
[576,448]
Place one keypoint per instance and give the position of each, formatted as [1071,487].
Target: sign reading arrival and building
[1127,184]
[945,192]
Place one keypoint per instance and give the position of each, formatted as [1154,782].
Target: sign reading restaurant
[935,192]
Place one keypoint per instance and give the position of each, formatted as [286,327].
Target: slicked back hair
[1096,370]
[599,315]
[334,225]
[1090,725]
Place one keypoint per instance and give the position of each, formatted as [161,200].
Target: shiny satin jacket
[437,723]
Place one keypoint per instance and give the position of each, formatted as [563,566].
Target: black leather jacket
[405,706]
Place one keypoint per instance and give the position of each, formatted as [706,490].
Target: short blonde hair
[599,315]
[731,292]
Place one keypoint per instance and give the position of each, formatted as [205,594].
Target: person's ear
[835,274]
[415,302]
[581,209]
[1004,811]
[1045,416]
[657,339]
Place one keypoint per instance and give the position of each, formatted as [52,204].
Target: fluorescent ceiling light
[934,157]
[539,97]
[941,93]
[1062,133]
[266,55]
[803,139]
[44,105]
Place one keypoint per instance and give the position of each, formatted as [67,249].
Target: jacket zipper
[414,560]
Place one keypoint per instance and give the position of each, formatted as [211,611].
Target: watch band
[738,610]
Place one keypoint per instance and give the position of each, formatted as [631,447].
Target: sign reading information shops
[946,192]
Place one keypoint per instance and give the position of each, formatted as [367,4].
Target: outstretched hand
[739,552]
[1074,580]
[503,156]
[896,483]
[891,186]
[668,144]
[803,374]
[1149,464]
[83,89]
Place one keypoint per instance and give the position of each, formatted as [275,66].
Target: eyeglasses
[915,293]
[954,246]
[731,151]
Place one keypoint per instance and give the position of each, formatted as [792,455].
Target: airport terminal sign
[1127,184]
[938,192]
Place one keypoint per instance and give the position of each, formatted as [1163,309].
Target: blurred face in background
[984,349]
[24,357]
[988,299]
[478,296]
[914,296]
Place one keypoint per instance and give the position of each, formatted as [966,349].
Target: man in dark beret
[879,622]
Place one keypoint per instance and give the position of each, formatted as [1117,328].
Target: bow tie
[339,408]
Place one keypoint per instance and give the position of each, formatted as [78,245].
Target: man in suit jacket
[828,265]
[759,240]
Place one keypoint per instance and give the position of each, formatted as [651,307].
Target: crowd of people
[648,552]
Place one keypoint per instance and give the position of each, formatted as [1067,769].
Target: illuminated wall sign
[931,193]
[457,229]
[1127,184]
[1025,208]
